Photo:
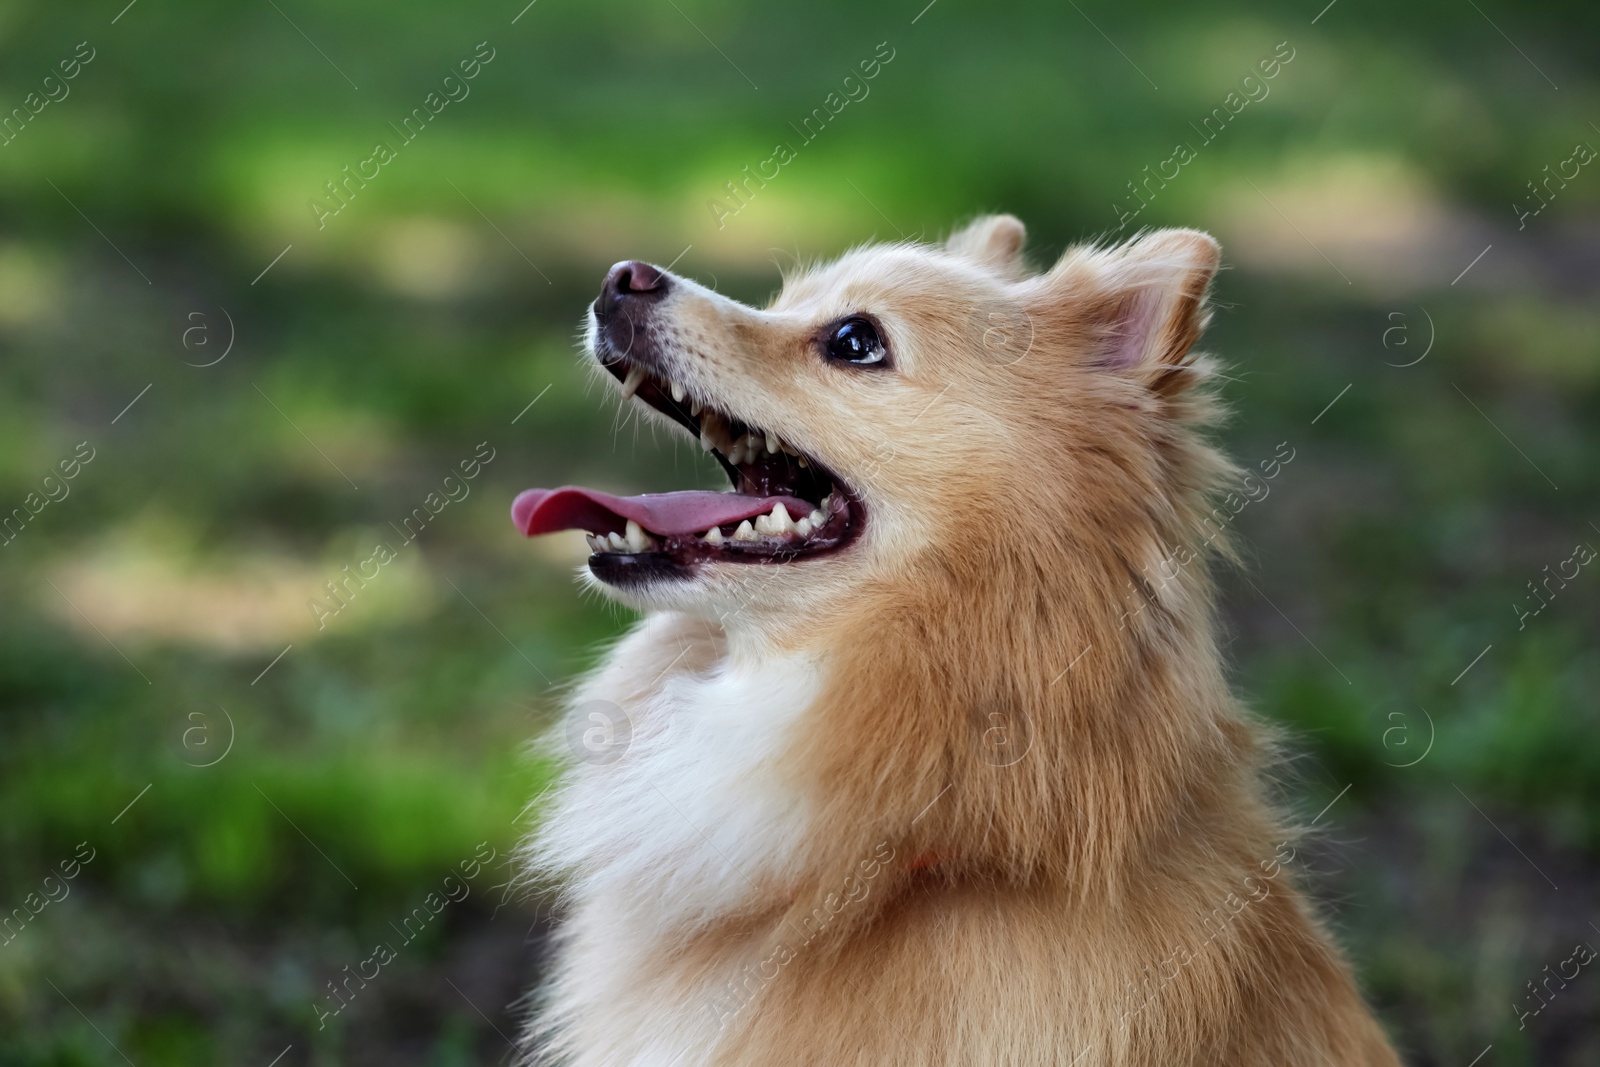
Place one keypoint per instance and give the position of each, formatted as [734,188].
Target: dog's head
[905,405]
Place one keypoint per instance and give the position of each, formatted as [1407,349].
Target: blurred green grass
[423,319]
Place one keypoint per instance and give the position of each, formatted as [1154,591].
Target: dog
[922,751]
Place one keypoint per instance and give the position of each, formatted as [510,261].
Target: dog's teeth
[694,407]
[776,524]
[705,441]
[803,462]
[596,542]
[819,518]
[631,383]
[803,526]
[617,543]
[746,532]
[715,431]
[713,536]
[638,540]
[678,392]
[773,444]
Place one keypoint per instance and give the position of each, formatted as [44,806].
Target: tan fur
[1119,895]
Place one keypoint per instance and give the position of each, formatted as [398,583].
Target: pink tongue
[540,511]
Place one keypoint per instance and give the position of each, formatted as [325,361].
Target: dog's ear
[992,240]
[1142,304]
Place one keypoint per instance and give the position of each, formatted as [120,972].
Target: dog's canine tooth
[638,540]
[678,392]
[631,383]
[713,429]
[746,532]
[713,536]
[776,524]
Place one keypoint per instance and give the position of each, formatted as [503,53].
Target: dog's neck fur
[764,773]
[1130,734]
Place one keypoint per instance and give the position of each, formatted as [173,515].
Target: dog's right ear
[992,240]
[1138,308]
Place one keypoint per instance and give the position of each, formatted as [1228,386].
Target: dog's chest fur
[690,825]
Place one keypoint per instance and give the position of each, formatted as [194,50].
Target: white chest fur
[689,824]
[691,816]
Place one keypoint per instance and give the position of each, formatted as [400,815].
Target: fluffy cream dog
[930,756]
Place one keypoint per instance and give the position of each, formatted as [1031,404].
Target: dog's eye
[855,340]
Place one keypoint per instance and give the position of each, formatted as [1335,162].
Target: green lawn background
[161,208]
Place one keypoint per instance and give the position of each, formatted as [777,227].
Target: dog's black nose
[630,280]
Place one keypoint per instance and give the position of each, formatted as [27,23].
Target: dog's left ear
[992,240]
[1142,305]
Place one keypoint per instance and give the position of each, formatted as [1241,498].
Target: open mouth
[784,505]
